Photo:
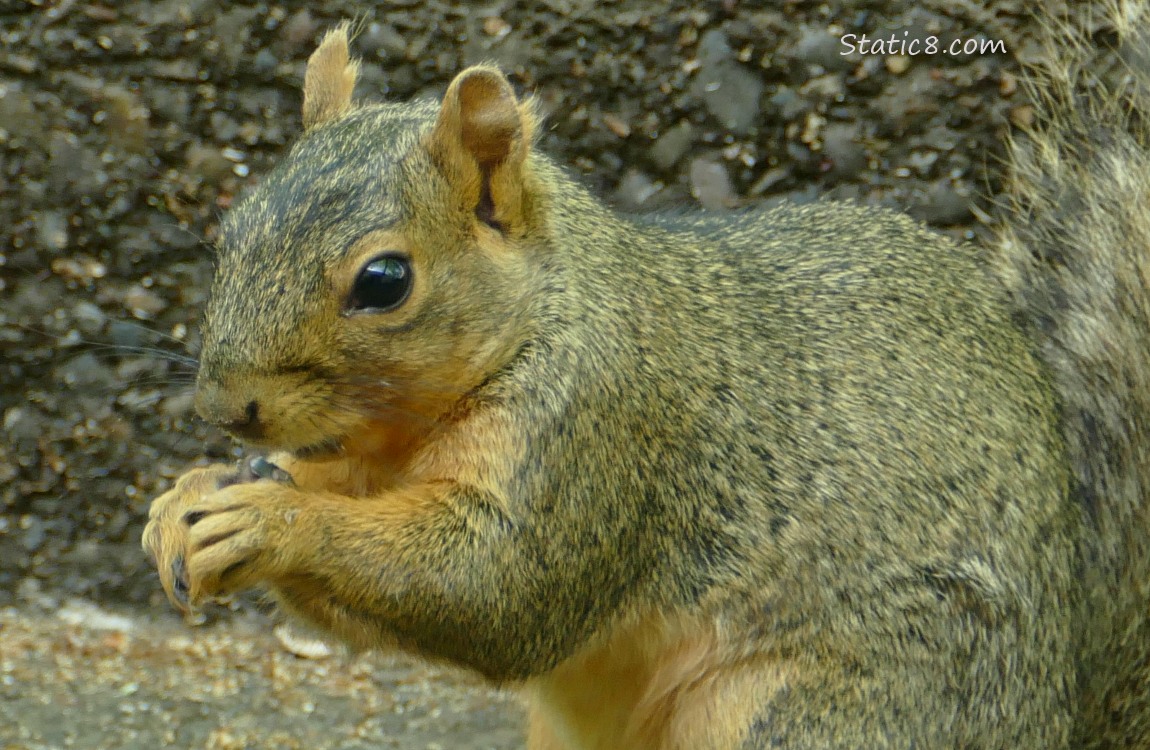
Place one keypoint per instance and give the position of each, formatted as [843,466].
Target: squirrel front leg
[433,566]
[410,565]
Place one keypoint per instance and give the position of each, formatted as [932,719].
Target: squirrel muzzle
[232,410]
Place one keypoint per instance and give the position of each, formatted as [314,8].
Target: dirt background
[126,127]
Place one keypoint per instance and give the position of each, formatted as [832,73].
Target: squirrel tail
[1074,251]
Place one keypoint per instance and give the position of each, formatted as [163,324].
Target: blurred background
[127,127]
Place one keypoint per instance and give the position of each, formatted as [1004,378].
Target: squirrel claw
[180,582]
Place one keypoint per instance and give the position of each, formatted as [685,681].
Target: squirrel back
[1073,248]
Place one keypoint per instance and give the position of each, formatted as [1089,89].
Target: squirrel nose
[248,426]
[242,420]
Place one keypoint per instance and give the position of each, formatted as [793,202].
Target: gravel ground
[125,127]
[122,680]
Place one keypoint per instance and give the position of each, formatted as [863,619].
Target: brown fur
[794,479]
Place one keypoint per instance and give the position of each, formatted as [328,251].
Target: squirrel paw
[165,541]
[216,532]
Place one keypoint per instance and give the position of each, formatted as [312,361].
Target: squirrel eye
[382,285]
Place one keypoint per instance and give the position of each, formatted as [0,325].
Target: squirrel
[807,477]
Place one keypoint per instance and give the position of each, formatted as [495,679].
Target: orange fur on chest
[374,461]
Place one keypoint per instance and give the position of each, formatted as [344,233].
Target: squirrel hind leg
[656,684]
[541,734]
[719,709]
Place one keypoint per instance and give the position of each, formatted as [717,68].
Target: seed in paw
[265,469]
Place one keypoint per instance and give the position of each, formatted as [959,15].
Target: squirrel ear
[486,115]
[481,139]
[329,79]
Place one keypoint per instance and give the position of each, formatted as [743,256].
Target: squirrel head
[384,268]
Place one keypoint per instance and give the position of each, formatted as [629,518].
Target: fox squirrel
[811,477]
